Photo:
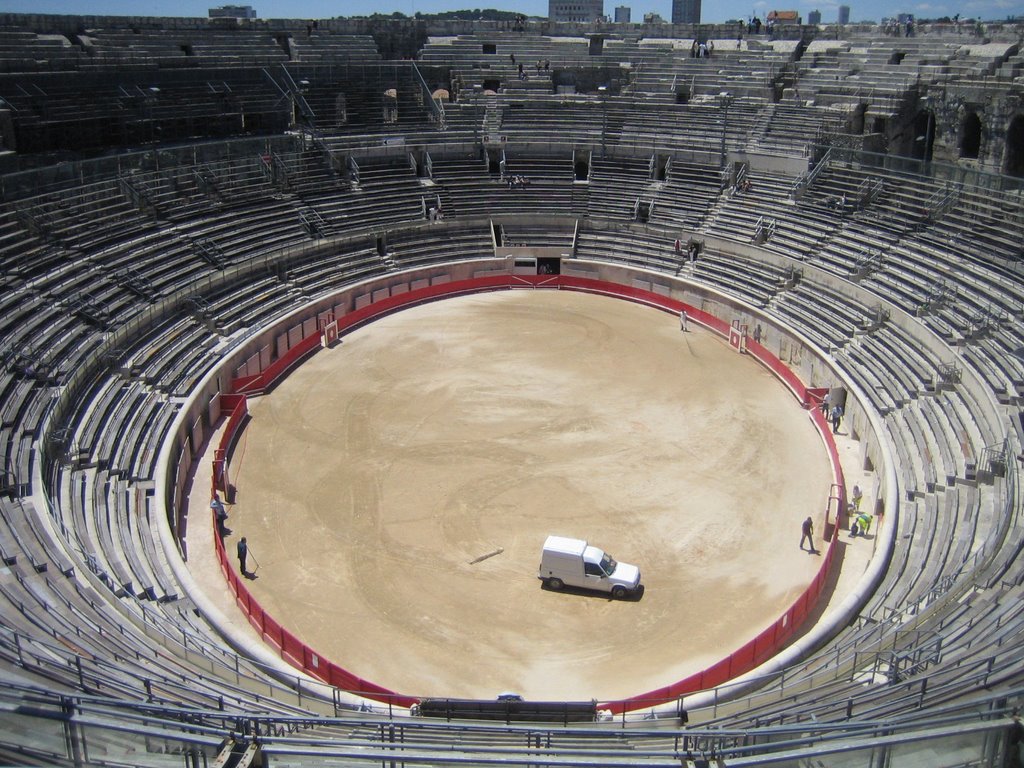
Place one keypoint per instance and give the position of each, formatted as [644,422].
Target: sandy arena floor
[371,479]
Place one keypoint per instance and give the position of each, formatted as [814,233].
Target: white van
[572,562]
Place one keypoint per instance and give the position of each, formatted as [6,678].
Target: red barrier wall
[747,657]
[237,409]
[266,377]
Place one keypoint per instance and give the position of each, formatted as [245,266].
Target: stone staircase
[492,118]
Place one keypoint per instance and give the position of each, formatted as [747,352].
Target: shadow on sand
[635,597]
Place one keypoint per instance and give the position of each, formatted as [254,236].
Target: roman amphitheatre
[409,311]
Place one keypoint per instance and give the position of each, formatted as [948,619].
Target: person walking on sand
[243,552]
[808,533]
[682,319]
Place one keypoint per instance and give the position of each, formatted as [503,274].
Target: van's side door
[594,577]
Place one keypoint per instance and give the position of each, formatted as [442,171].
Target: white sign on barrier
[329,334]
[738,336]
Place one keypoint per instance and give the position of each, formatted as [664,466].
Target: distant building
[686,11]
[653,18]
[814,17]
[844,14]
[622,14]
[233,12]
[584,11]
[783,17]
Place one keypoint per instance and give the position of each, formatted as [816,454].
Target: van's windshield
[608,564]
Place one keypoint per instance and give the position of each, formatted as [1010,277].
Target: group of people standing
[541,66]
[860,522]
[702,50]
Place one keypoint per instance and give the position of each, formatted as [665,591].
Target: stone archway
[970,136]
[1013,164]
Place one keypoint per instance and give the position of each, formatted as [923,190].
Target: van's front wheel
[555,584]
[618,591]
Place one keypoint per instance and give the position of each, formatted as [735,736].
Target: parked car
[574,563]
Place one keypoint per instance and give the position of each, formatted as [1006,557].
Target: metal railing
[802,184]
[66,727]
[435,106]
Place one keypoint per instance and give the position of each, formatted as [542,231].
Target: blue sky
[712,11]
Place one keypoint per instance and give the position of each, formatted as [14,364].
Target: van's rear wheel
[555,584]
[618,591]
